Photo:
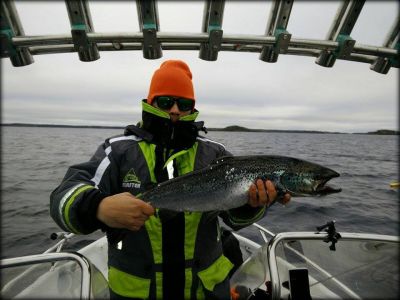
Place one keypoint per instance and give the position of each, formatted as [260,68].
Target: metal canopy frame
[276,26]
[88,43]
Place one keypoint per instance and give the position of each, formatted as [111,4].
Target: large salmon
[224,184]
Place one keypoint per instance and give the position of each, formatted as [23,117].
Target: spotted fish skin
[224,184]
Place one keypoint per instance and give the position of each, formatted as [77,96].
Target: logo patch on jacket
[131,180]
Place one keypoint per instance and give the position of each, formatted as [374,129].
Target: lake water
[34,160]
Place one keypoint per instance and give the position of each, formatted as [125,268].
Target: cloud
[238,88]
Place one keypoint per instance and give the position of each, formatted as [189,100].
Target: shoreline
[228,128]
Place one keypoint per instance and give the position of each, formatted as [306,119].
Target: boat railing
[63,237]
[87,43]
[35,261]
[263,231]
[54,273]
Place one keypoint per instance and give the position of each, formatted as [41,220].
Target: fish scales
[224,184]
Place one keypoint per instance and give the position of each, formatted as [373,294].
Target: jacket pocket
[128,285]
[216,273]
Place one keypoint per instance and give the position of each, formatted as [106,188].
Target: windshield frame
[280,237]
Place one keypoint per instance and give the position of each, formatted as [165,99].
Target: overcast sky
[294,93]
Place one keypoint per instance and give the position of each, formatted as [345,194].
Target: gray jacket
[190,242]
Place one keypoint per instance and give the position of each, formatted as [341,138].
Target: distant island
[233,128]
[244,129]
[384,132]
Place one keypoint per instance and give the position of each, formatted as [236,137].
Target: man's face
[177,110]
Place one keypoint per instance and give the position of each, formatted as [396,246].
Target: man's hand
[264,193]
[124,211]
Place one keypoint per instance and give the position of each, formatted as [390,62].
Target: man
[153,254]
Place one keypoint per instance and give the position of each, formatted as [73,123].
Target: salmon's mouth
[323,189]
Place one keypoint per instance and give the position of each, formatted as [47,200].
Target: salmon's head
[311,182]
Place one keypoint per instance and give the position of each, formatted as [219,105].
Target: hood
[156,127]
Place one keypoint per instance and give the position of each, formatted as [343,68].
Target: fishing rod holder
[81,25]
[10,26]
[149,25]
[276,26]
[212,25]
[333,236]
[345,19]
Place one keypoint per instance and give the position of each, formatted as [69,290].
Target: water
[34,161]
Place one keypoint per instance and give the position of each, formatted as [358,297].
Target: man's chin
[174,119]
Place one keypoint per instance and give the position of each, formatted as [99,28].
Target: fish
[224,184]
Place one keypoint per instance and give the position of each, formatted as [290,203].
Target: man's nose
[175,109]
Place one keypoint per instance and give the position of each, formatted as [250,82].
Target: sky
[238,89]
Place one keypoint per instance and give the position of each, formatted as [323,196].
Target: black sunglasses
[166,102]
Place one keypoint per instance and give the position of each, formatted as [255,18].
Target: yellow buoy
[395,184]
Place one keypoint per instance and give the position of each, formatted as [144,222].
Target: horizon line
[227,128]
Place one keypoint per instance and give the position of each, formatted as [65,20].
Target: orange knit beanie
[173,78]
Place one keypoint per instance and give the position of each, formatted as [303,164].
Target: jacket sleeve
[243,216]
[73,204]
[240,217]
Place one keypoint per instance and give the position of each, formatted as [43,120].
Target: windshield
[357,269]
[365,269]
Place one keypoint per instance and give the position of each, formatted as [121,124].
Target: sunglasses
[166,102]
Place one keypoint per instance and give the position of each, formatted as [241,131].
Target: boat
[318,264]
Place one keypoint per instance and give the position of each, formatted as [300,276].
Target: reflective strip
[106,162]
[148,151]
[153,224]
[100,171]
[216,273]
[64,199]
[185,163]
[124,138]
[192,220]
[128,285]
[172,157]
[170,169]
[108,150]
[159,286]
[200,292]
[211,141]
[154,229]
[69,203]
[188,283]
